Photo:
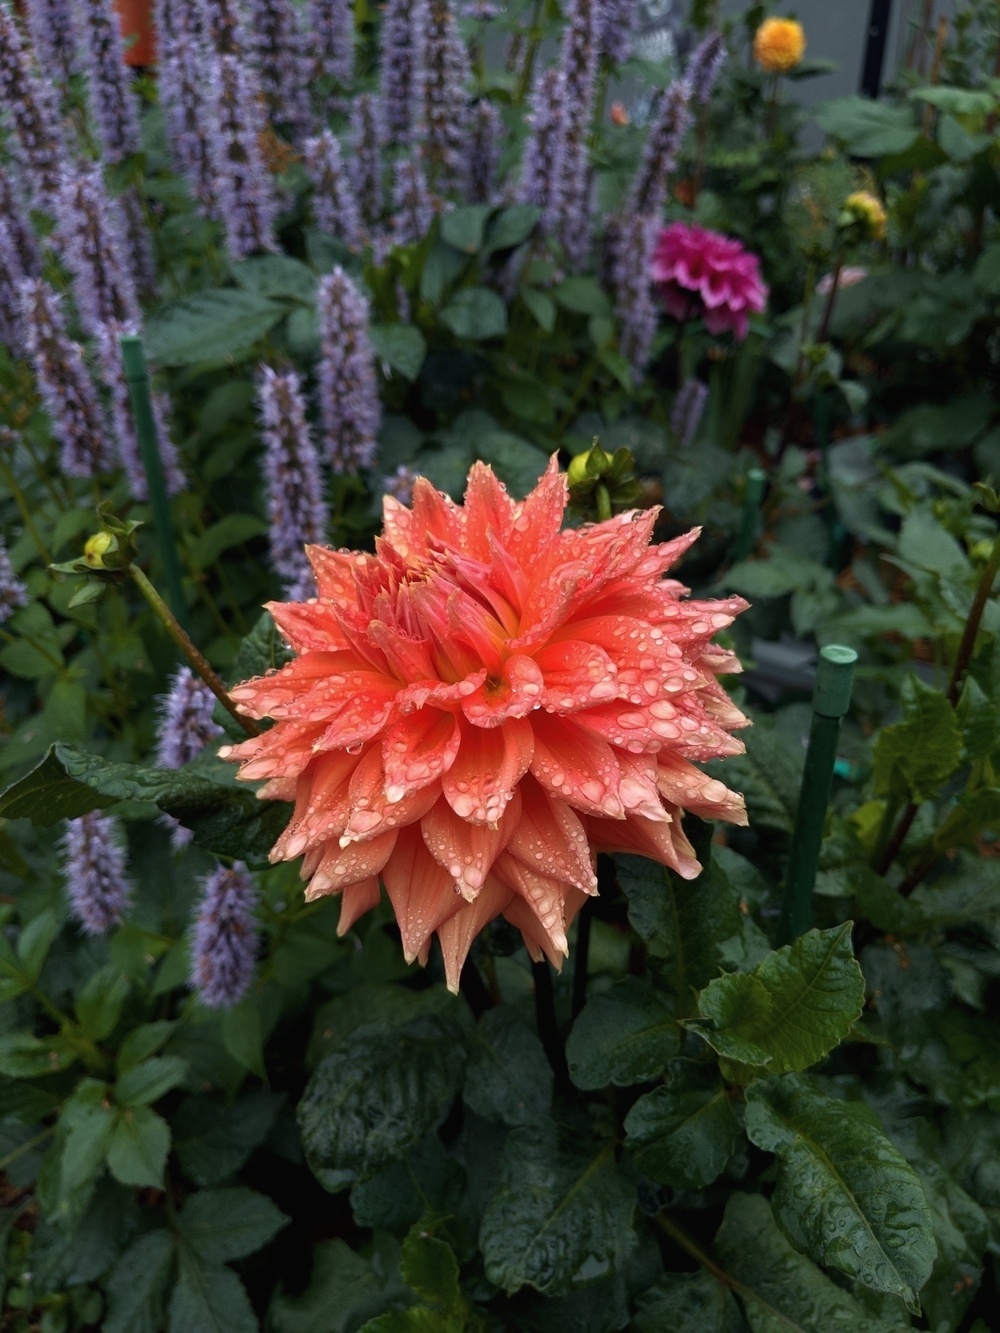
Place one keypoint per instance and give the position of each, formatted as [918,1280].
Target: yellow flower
[779,45]
[864,209]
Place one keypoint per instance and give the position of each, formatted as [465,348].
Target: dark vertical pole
[878,35]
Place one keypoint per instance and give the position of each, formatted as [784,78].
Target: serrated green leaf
[342,1294]
[213,1140]
[683,1134]
[792,1009]
[209,1299]
[868,128]
[925,543]
[687,1303]
[34,944]
[915,757]
[145,1083]
[218,326]
[511,226]
[624,1035]
[228,532]
[426,1180]
[139,1147]
[23,1055]
[400,346]
[979,719]
[769,775]
[974,813]
[429,1267]
[144,1041]
[276,275]
[476,313]
[844,1193]
[229,1223]
[137,1285]
[100,1003]
[243,1034]
[508,1077]
[86,1147]
[376,1094]
[559,1216]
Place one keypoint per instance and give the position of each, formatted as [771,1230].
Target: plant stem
[27,1146]
[824,325]
[582,959]
[23,510]
[548,1027]
[194,657]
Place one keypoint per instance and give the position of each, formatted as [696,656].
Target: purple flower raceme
[184,726]
[29,102]
[92,233]
[618,20]
[412,210]
[295,504]
[13,593]
[331,37]
[579,60]
[96,884]
[663,143]
[138,243]
[222,25]
[399,484]
[630,242]
[480,11]
[13,270]
[68,392]
[244,189]
[541,182]
[14,213]
[224,938]
[182,95]
[366,158]
[53,34]
[482,156]
[334,205]
[705,66]
[284,66]
[350,413]
[687,411]
[109,79]
[440,91]
[398,53]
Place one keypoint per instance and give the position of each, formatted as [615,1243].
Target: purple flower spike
[13,593]
[411,204]
[21,234]
[30,104]
[400,484]
[279,46]
[440,90]
[480,11]
[630,243]
[99,892]
[295,505]
[397,65]
[185,723]
[331,37]
[224,940]
[109,80]
[366,158]
[66,388]
[580,52]
[688,409]
[334,207]
[53,35]
[618,22]
[349,407]
[17,262]
[92,233]
[542,165]
[483,154]
[705,66]
[182,96]
[222,25]
[244,188]
[663,143]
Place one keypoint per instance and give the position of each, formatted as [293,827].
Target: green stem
[194,657]
[38,647]
[822,333]
[965,648]
[889,815]
[24,511]
[603,498]
[26,1147]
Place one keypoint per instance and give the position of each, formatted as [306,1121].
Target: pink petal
[422,893]
[355,901]
[490,764]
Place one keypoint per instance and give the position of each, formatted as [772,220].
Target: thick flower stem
[823,332]
[194,657]
[581,959]
[548,1026]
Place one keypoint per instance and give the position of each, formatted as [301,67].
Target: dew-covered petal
[576,767]
[371,811]
[550,839]
[517,691]
[417,750]
[458,932]
[467,851]
[355,901]
[490,763]
[664,842]
[577,675]
[683,785]
[354,864]
[422,892]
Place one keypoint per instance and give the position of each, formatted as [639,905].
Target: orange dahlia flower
[482,705]
[779,45]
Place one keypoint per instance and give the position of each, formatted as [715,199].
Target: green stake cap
[133,356]
[834,679]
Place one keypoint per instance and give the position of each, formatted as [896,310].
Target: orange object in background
[136,20]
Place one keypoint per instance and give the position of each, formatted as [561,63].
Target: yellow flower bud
[864,208]
[779,45]
[97,547]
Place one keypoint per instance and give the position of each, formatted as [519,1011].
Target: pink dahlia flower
[705,275]
[482,705]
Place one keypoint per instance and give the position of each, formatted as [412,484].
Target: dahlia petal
[371,811]
[335,573]
[355,901]
[487,508]
[309,626]
[686,786]
[639,792]
[467,851]
[436,693]
[400,529]
[507,576]
[576,674]
[422,892]
[321,808]
[664,842]
[639,730]
[550,834]
[355,864]
[490,764]
[417,750]
[518,691]
[576,767]
[435,515]
[538,518]
[362,715]
[458,932]
[409,657]
[548,605]
[282,752]
[523,912]
[276,694]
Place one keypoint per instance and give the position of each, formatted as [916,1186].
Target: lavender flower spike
[399,484]
[580,51]
[334,207]
[185,723]
[13,593]
[631,241]
[688,409]
[92,232]
[542,165]
[224,940]
[53,35]
[295,505]
[96,885]
[221,23]
[349,407]
[705,66]
[109,80]
[244,189]
[366,157]
[279,45]
[483,154]
[397,65]
[331,33]
[440,91]
[30,104]
[66,388]
[22,236]
[618,22]
[12,272]
[663,143]
[411,204]
[182,96]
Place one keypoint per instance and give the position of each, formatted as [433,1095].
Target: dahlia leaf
[794,1008]
[558,1216]
[426,1180]
[343,1293]
[695,1302]
[684,1133]
[915,757]
[624,1035]
[213,1140]
[225,1224]
[845,1194]
[509,1079]
[211,1298]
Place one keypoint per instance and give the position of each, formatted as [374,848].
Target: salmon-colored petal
[539,940]
[577,767]
[417,750]
[458,932]
[362,714]
[538,518]
[550,838]
[280,752]
[407,656]
[576,675]
[517,691]
[355,864]
[639,792]
[309,627]
[488,509]
[664,842]
[355,901]
[372,813]
[680,782]
[490,764]
[438,694]
[422,893]
[435,515]
[322,806]
[278,693]
[467,851]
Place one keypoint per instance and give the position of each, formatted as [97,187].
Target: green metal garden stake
[831,700]
[756,481]
[137,376]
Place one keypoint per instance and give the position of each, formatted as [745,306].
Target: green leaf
[144,1041]
[376,1094]
[463,227]
[511,226]
[222,536]
[139,1147]
[923,542]
[559,1215]
[684,1133]
[87,1144]
[868,128]
[147,1082]
[476,313]
[261,650]
[212,1140]
[426,1180]
[959,101]
[343,1293]
[429,1267]
[683,923]
[99,1005]
[276,275]
[508,1078]
[220,326]
[624,1035]
[229,1223]
[209,1299]
[795,1006]
[769,776]
[687,1303]
[23,1055]
[34,944]
[541,306]
[401,346]
[243,1034]
[844,1193]
[783,1291]
[137,1285]
[975,813]
[584,296]
[915,757]
[979,719]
